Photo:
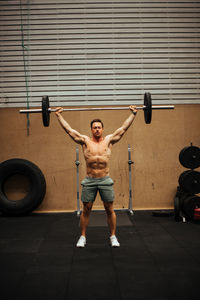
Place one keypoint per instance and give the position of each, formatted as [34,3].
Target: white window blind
[99,52]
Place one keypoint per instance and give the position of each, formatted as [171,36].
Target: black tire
[37,186]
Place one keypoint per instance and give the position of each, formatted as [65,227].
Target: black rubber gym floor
[159,259]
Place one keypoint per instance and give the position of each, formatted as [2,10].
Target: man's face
[97,129]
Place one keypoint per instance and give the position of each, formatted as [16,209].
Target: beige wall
[155,151]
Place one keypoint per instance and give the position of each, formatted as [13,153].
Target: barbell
[46,110]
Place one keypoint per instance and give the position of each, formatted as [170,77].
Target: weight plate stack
[189,157]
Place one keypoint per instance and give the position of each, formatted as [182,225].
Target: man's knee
[87,207]
[109,208]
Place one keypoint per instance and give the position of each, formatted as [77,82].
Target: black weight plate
[190,181]
[45,111]
[189,157]
[148,108]
[189,205]
[162,213]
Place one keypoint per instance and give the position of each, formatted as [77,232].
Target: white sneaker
[114,242]
[81,242]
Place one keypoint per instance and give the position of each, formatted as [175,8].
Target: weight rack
[130,202]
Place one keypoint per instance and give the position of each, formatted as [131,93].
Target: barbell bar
[46,110]
[39,110]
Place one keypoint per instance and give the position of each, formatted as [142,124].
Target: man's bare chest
[97,149]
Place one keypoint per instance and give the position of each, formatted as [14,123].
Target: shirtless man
[97,152]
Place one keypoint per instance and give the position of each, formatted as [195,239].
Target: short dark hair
[96,120]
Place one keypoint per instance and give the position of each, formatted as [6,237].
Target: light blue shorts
[90,187]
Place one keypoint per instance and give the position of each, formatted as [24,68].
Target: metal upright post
[77,162]
[130,162]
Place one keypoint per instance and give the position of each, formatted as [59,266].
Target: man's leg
[84,218]
[111,217]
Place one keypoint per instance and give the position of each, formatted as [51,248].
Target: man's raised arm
[75,135]
[118,134]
